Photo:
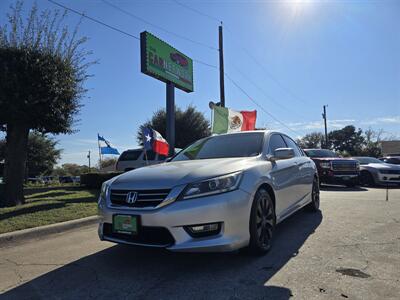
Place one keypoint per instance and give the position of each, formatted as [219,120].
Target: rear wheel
[262,222]
[366,178]
[313,206]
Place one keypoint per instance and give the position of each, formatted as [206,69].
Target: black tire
[313,206]
[366,179]
[262,222]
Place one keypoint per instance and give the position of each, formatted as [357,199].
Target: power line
[256,61]
[157,26]
[197,11]
[195,60]
[117,29]
[259,105]
[272,99]
[94,20]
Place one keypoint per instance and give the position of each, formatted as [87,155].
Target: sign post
[163,62]
[171,117]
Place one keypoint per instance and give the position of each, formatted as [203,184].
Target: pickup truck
[333,169]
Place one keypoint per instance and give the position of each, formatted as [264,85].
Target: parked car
[136,158]
[333,169]
[395,160]
[66,179]
[221,193]
[375,171]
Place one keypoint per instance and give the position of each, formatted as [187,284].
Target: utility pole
[326,129]
[88,156]
[221,68]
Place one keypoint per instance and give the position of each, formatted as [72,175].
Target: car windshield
[230,145]
[368,160]
[320,153]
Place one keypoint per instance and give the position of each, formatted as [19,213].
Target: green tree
[372,143]
[42,71]
[190,125]
[108,162]
[311,140]
[347,140]
[42,154]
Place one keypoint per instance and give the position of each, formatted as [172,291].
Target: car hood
[332,159]
[383,166]
[168,175]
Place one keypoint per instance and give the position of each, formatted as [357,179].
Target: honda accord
[221,193]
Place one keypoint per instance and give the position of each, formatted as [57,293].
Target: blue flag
[108,150]
[100,138]
[147,138]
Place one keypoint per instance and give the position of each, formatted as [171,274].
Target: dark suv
[334,169]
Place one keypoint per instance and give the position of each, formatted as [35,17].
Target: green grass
[49,207]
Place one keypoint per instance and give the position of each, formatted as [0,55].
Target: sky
[286,59]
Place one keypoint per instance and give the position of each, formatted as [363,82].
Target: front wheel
[313,206]
[262,222]
[366,178]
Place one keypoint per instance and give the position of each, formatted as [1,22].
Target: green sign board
[164,62]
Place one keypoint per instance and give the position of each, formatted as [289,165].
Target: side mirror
[281,153]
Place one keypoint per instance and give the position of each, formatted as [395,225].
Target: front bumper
[383,178]
[231,209]
[338,178]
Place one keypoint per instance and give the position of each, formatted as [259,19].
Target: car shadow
[146,273]
[340,188]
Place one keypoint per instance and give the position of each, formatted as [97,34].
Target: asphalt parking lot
[349,251]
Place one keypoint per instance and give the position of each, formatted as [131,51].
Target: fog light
[203,229]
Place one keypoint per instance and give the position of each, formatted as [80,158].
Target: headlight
[104,191]
[213,186]
[325,165]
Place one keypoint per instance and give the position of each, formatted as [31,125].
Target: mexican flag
[227,120]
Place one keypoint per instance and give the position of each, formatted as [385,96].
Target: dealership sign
[164,62]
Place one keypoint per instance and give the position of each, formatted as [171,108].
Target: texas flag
[153,140]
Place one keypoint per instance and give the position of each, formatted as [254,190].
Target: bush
[1,193]
[95,180]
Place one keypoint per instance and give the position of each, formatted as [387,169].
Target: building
[390,148]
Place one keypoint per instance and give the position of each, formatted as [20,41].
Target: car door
[306,170]
[284,174]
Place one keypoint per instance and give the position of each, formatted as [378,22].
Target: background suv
[334,169]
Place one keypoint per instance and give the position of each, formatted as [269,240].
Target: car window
[291,144]
[229,145]
[275,141]
[161,157]
[130,155]
[320,153]
[150,155]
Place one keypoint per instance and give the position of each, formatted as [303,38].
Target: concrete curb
[16,237]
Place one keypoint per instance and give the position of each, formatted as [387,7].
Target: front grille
[154,236]
[390,172]
[344,166]
[145,198]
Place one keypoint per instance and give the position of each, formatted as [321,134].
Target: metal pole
[221,68]
[98,143]
[326,128]
[171,117]
[89,160]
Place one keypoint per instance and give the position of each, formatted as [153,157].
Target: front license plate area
[125,224]
[346,178]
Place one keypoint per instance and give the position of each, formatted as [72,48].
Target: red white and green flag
[226,120]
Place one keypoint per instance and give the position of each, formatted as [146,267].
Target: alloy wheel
[265,221]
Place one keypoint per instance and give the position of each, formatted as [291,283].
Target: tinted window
[130,155]
[150,155]
[395,161]
[276,141]
[291,144]
[230,145]
[320,153]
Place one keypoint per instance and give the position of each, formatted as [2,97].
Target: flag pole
[98,144]
[145,155]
